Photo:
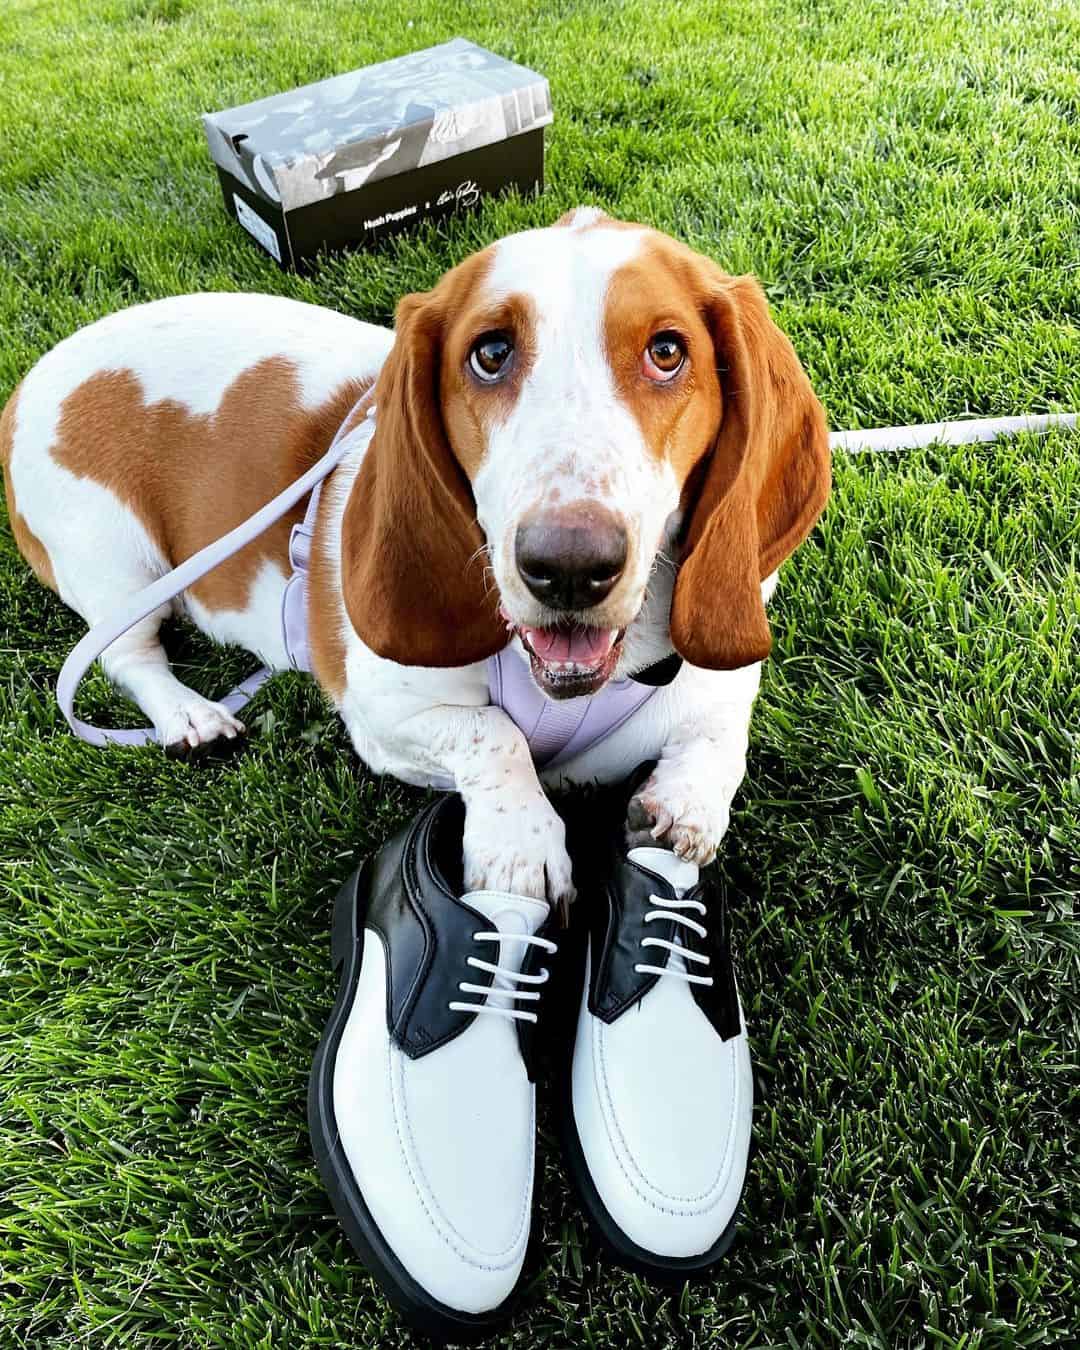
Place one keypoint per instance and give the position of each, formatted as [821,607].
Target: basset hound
[584,453]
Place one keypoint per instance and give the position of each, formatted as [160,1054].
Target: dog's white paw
[672,812]
[196,723]
[516,848]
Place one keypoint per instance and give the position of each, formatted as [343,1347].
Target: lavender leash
[166,588]
[145,602]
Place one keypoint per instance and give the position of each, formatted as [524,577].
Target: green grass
[904,179]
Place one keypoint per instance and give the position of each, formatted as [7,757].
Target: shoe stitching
[616,1139]
[438,1217]
[438,1220]
[620,1145]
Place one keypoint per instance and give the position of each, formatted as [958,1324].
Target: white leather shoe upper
[662,1105]
[441,1146]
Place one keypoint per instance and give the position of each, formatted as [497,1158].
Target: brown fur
[412,552]
[326,619]
[762,487]
[678,418]
[470,407]
[30,546]
[190,478]
[749,447]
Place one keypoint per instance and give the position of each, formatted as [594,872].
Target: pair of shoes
[422,1100]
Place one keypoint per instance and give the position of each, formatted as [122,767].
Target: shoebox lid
[339,134]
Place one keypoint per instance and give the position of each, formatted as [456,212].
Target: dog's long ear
[758,492]
[412,553]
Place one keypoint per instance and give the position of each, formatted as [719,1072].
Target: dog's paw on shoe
[522,851]
[676,817]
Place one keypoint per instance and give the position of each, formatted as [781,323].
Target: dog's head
[565,413]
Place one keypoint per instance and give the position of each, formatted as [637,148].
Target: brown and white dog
[587,440]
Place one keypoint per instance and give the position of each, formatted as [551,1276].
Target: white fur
[569,437]
[257,626]
[568,434]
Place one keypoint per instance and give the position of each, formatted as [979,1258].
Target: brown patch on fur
[29,545]
[190,478]
[654,293]
[360,409]
[749,445]
[412,552]
[470,407]
[326,614]
[326,610]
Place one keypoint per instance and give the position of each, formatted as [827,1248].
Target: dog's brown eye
[664,356]
[490,356]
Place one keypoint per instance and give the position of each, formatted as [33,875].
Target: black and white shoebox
[352,159]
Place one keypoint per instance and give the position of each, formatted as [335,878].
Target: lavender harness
[555,731]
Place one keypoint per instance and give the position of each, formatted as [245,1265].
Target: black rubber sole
[667,1270]
[426,1314]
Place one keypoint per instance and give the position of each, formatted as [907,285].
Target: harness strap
[166,588]
[294,603]
[557,731]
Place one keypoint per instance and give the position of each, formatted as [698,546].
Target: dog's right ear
[765,482]
[412,553]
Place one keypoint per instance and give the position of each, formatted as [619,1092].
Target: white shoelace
[669,910]
[502,984]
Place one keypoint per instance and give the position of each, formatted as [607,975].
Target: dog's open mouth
[568,661]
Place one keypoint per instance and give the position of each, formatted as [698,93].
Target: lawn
[905,852]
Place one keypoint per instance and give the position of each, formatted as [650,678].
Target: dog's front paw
[520,849]
[670,812]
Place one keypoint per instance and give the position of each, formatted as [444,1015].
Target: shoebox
[353,159]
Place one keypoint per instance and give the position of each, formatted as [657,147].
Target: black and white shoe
[421,1102]
[659,1093]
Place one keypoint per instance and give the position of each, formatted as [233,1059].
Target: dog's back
[143,437]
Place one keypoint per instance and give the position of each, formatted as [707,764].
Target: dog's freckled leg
[514,840]
[685,804]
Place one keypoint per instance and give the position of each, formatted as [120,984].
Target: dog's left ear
[759,490]
[412,552]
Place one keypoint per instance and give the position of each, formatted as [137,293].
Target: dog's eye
[490,356]
[663,357]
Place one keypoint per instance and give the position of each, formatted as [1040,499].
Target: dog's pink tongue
[584,646]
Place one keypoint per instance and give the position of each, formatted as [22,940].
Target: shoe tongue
[508,913]
[681,874]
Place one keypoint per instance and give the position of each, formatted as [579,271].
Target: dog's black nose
[570,557]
